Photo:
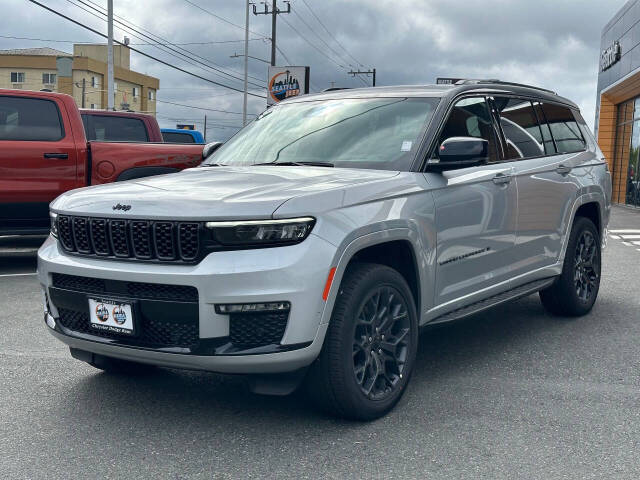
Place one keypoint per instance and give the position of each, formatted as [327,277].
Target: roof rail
[500,82]
[333,89]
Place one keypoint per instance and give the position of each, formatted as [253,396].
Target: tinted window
[549,146]
[520,127]
[29,119]
[564,128]
[116,129]
[173,137]
[470,117]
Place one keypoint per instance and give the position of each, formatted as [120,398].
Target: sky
[550,43]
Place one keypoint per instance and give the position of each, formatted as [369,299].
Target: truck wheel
[111,365]
[575,291]
[370,347]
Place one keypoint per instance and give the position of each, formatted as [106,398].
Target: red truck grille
[131,239]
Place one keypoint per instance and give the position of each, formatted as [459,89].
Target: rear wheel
[575,291]
[370,347]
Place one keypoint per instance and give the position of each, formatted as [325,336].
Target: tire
[575,291]
[110,364]
[355,358]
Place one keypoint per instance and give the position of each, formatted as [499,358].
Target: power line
[330,34]
[203,108]
[189,55]
[320,38]
[140,52]
[313,45]
[223,19]
[135,43]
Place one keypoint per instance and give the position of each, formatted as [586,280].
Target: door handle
[60,156]
[563,169]
[501,179]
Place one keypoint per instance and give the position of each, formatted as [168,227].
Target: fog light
[227,309]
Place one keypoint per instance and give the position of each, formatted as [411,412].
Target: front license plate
[111,316]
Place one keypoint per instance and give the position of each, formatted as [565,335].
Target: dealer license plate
[111,316]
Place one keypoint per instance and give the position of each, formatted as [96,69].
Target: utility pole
[246,68]
[274,11]
[110,92]
[367,73]
[205,129]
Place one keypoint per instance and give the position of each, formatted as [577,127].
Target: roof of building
[41,51]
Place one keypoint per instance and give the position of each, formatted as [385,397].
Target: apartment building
[81,74]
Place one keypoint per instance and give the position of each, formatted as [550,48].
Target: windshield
[377,133]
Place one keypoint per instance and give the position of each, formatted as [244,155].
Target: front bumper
[296,274]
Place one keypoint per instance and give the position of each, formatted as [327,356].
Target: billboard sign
[286,82]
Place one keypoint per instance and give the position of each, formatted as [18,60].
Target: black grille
[99,236]
[134,239]
[164,243]
[153,333]
[251,330]
[81,234]
[139,290]
[141,239]
[189,240]
[78,284]
[65,234]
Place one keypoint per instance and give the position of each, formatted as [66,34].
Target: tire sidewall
[581,224]
[384,276]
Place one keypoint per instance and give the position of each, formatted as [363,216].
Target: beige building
[81,74]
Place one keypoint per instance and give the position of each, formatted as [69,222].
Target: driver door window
[470,117]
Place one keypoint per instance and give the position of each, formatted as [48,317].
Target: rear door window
[30,119]
[116,129]
[175,137]
[519,123]
[564,128]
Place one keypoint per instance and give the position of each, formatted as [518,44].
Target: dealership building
[618,113]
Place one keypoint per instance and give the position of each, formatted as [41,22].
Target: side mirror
[209,148]
[461,152]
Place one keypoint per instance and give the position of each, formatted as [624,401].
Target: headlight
[54,224]
[261,232]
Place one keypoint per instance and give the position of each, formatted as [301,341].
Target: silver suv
[311,247]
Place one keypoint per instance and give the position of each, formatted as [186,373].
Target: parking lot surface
[509,393]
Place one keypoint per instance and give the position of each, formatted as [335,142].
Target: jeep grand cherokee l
[312,246]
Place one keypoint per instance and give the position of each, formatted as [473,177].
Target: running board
[518,292]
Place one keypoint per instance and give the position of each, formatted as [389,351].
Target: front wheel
[575,291]
[371,344]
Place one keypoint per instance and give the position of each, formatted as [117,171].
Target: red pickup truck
[121,126]
[44,152]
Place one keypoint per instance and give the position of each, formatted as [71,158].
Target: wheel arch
[406,258]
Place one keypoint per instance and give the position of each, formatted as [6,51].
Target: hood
[211,193]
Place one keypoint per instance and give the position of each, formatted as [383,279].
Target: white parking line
[630,237]
[17,274]
[624,231]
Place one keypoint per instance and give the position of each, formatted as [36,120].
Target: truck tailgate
[108,160]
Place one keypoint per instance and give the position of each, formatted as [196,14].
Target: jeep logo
[124,208]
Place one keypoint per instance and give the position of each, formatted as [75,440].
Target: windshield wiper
[210,165]
[298,164]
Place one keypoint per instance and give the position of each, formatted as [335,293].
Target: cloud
[550,43]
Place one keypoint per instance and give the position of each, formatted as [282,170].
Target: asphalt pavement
[509,393]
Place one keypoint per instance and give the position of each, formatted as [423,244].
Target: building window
[17,77]
[115,87]
[152,94]
[94,82]
[48,78]
[135,91]
[93,106]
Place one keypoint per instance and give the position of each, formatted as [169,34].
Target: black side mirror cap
[460,152]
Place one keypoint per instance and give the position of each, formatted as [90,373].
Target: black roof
[450,90]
